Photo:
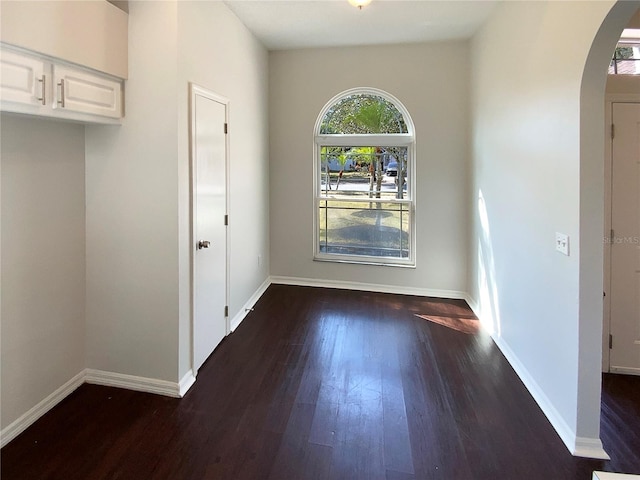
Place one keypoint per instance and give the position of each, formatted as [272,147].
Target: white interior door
[625,247]
[208,115]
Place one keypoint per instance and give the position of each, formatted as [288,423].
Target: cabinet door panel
[79,91]
[21,79]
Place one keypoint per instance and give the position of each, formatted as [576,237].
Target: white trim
[625,370]
[622,98]
[132,382]
[473,305]
[248,306]
[589,448]
[23,422]
[368,287]
[186,383]
[366,140]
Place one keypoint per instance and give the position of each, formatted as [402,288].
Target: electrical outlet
[562,243]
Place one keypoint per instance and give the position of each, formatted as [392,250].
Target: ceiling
[289,24]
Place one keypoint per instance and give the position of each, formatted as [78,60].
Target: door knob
[203,244]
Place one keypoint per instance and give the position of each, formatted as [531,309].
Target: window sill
[364,261]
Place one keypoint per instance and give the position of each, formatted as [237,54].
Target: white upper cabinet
[81,91]
[63,59]
[22,79]
[36,85]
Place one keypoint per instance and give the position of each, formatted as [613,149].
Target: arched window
[364,154]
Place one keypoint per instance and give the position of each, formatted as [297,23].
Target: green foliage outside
[361,114]
[623,53]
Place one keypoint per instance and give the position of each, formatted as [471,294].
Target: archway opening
[592,149]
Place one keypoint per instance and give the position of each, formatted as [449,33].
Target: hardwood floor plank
[328,384]
[292,454]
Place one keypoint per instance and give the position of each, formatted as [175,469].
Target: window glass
[364,175]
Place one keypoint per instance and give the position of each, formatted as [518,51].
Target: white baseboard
[578,446]
[131,382]
[625,370]
[589,448]
[186,383]
[369,287]
[473,305]
[18,426]
[248,306]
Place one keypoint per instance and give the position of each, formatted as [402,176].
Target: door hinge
[226,128]
[610,341]
[226,310]
[611,237]
[226,220]
[613,131]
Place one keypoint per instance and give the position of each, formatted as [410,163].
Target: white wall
[526,186]
[217,52]
[432,81]
[138,232]
[96,36]
[132,211]
[43,261]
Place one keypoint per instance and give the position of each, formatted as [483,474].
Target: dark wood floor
[328,384]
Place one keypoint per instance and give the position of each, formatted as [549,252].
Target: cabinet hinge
[613,131]
[226,128]
[610,341]
[612,236]
[226,310]
[226,220]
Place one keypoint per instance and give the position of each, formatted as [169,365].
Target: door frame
[197,90]
[609,99]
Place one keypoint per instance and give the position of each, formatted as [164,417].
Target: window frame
[629,38]
[407,140]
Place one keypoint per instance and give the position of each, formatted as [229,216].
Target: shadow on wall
[488,304]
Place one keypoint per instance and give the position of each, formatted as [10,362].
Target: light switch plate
[562,243]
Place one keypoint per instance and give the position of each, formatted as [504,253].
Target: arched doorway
[592,103]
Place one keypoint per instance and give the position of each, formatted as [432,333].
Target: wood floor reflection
[328,384]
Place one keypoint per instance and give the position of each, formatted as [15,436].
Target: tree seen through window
[364,165]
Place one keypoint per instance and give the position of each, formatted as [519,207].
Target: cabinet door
[80,91]
[22,79]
